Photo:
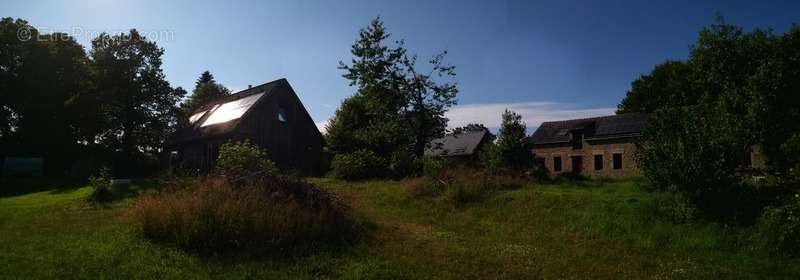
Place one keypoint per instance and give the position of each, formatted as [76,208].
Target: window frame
[614,161]
[598,164]
[557,164]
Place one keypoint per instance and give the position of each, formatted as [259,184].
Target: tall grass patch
[213,216]
[460,185]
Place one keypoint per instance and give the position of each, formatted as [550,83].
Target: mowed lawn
[580,230]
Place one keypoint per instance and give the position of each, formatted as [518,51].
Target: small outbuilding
[460,147]
[269,115]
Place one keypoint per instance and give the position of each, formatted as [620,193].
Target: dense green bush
[101,186]
[681,152]
[361,164]
[242,158]
[213,216]
[780,226]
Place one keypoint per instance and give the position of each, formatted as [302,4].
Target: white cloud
[533,113]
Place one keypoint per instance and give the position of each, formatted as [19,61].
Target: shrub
[780,227]
[361,164]
[101,186]
[672,207]
[460,185]
[213,216]
[242,158]
[432,167]
[404,163]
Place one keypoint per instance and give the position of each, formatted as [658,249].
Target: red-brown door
[577,164]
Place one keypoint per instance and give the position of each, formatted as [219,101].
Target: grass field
[565,230]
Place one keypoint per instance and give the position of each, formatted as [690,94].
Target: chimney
[249,86]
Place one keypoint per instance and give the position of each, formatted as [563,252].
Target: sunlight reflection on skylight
[196,117]
[232,110]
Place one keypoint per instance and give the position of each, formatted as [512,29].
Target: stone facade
[589,151]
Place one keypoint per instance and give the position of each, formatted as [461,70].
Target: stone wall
[605,148]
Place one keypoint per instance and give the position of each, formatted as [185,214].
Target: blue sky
[545,59]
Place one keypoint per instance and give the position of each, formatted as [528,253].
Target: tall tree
[42,77]
[397,108]
[512,146]
[139,105]
[668,84]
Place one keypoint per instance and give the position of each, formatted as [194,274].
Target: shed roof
[462,144]
[606,127]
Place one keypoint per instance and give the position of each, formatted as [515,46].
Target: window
[281,115]
[540,161]
[598,162]
[617,158]
[232,110]
[556,164]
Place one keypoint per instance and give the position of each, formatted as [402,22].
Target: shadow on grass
[10,187]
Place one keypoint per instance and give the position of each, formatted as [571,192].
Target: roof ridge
[596,118]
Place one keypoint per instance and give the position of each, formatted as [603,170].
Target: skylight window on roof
[232,110]
[196,117]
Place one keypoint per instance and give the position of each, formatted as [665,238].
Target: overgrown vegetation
[101,186]
[238,159]
[735,93]
[360,164]
[214,216]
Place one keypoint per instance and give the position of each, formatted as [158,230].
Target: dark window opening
[556,164]
[617,158]
[577,140]
[598,162]
[540,161]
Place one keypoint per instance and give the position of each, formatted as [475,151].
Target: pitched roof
[607,127]
[200,129]
[462,144]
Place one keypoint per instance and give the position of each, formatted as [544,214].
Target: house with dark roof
[269,115]
[595,147]
[462,146]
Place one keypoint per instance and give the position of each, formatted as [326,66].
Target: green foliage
[472,127]
[138,105]
[667,85]
[490,158]
[396,110]
[242,158]
[672,207]
[458,186]
[115,99]
[361,164]
[780,226]
[736,90]
[101,186]
[45,108]
[513,147]
[558,230]
[433,166]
